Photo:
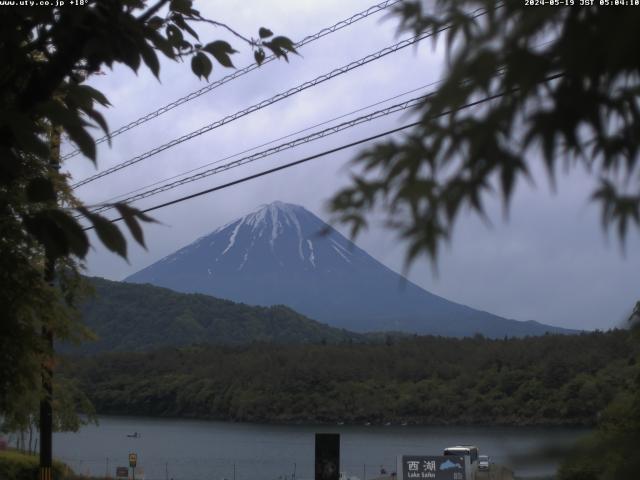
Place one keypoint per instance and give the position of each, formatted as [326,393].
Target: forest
[547,380]
[135,317]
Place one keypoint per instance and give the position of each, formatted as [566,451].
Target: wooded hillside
[553,379]
[134,317]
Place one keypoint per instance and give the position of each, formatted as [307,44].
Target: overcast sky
[550,262]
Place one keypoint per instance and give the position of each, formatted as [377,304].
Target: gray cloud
[549,262]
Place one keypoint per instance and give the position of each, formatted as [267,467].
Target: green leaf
[41,190]
[75,236]
[25,133]
[59,114]
[179,20]
[130,216]
[76,99]
[161,44]
[58,232]
[108,233]
[284,43]
[174,35]
[280,46]
[155,22]
[99,119]
[129,54]
[265,32]
[83,140]
[181,6]
[259,56]
[201,65]
[88,92]
[11,166]
[47,233]
[150,59]
[220,51]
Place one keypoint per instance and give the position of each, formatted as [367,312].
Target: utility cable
[271,170]
[326,152]
[125,197]
[263,104]
[240,72]
[272,151]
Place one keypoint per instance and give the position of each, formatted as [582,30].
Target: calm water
[195,450]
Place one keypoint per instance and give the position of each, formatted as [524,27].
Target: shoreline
[370,424]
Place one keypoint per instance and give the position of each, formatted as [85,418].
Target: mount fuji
[284,254]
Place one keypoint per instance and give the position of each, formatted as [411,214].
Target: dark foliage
[131,317]
[554,86]
[46,54]
[610,453]
[551,379]
[20,466]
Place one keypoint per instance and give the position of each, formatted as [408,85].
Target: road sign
[122,472]
[430,467]
[133,460]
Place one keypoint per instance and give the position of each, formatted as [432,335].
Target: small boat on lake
[134,435]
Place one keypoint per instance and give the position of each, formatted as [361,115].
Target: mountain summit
[284,254]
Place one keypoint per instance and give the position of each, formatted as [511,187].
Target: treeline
[133,317]
[550,380]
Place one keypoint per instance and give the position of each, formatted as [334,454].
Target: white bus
[470,454]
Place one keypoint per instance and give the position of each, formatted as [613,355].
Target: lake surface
[199,450]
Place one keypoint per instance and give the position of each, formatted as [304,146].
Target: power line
[263,104]
[228,157]
[127,197]
[238,73]
[272,151]
[270,142]
[276,98]
[326,152]
[271,170]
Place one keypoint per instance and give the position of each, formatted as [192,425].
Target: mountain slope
[278,255]
[129,317]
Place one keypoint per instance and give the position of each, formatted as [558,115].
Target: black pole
[46,408]
[327,456]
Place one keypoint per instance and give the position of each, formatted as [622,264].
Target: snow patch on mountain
[340,250]
[246,255]
[299,231]
[234,234]
[337,250]
[312,256]
[275,225]
[277,217]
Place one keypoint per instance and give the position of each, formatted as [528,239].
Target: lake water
[199,450]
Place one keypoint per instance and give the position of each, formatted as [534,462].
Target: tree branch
[42,85]
[152,10]
[227,27]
